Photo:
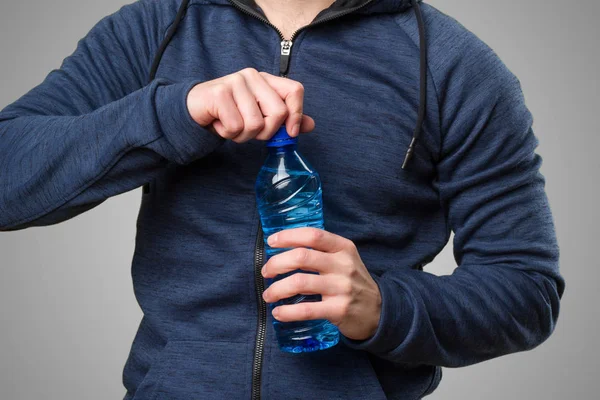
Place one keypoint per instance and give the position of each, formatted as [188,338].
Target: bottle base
[300,337]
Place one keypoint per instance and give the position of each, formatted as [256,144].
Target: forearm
[478,313]
[64,165]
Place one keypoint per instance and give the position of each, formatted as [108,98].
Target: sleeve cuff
[189,140]
[394,322]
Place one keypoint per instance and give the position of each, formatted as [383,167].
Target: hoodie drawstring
[163,46]
[161,49]
[423,83]
[423,70]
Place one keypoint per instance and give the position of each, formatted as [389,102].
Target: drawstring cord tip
[409,153]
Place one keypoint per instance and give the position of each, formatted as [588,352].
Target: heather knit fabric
[96,128]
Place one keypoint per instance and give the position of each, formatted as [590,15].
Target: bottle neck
[283,149]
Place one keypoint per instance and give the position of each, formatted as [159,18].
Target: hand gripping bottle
[288,195]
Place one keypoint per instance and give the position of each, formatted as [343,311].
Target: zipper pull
[284,62]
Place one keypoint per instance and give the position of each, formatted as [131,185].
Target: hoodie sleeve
[94,128]
[504,296]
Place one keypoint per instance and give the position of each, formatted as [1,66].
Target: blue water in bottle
[289,195]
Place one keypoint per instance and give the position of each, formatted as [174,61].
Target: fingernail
[275,312]
[272,239]
[296,130]
[262,271]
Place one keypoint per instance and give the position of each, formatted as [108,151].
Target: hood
[370,6]
[379,6]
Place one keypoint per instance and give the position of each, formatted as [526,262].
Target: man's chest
[361,91]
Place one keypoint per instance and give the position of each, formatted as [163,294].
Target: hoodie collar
[362,6]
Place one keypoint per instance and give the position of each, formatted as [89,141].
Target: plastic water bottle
[288,193]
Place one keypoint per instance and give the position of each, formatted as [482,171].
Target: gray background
[67,310]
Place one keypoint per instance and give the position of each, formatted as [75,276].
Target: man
[417,129]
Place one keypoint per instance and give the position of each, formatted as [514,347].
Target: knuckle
[299,281]
[298,87]
[348,263]
[302,255]
[307,311]
[273,290]
[226,133]
[229,135]
[343,309]
[249,71]
[255,126]
[280,110]
[317,235]
[275,260]
[239,139]
[346,286]
[233,134]
[220,91]
[351,246]
[237,79]
[236,127]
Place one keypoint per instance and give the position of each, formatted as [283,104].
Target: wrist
[189,139]
[395,320]
[376,313]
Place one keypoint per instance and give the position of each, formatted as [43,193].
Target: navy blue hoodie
[98,127]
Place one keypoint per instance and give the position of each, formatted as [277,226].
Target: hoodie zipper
[259,248]
[286,45]
[261,327]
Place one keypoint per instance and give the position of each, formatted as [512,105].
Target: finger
[300,258]
[318,239]
[293,94]
[328,309]
[211,128]
[272,106]
[248,108]
[308,124]
[299,283]
[230,123]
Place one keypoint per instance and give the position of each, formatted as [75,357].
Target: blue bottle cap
[281,138]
